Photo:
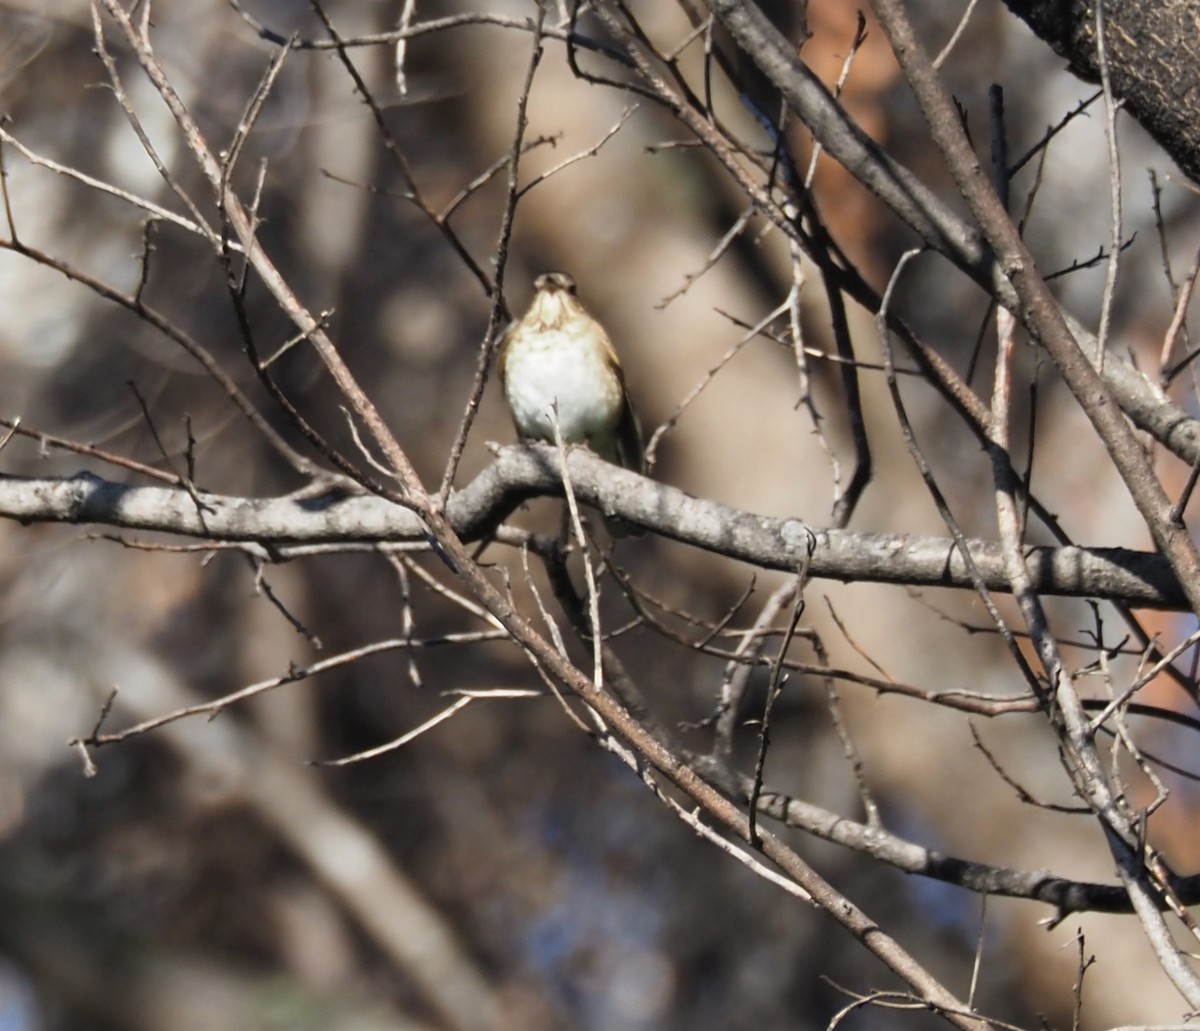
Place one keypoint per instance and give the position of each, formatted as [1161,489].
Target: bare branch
[1138,578]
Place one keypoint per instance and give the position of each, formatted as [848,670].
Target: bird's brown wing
[502,350]
[628,437]
[630,449]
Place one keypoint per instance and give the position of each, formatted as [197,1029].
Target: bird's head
[550,282]
[554,300]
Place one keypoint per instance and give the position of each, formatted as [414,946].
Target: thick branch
[525,472]
[1152,51]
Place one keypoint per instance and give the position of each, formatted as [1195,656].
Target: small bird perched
[556,353]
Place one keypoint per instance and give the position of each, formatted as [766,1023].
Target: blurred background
[501,871]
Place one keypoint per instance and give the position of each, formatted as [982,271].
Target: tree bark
[1153,53]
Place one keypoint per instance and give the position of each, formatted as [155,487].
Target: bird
[557,361]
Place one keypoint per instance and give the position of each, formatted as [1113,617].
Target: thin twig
[1114,187]
[402,740]
[956,35]
[499,309]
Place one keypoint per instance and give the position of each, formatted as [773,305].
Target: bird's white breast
[557,366]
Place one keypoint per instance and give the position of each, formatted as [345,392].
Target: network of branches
[953,475]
